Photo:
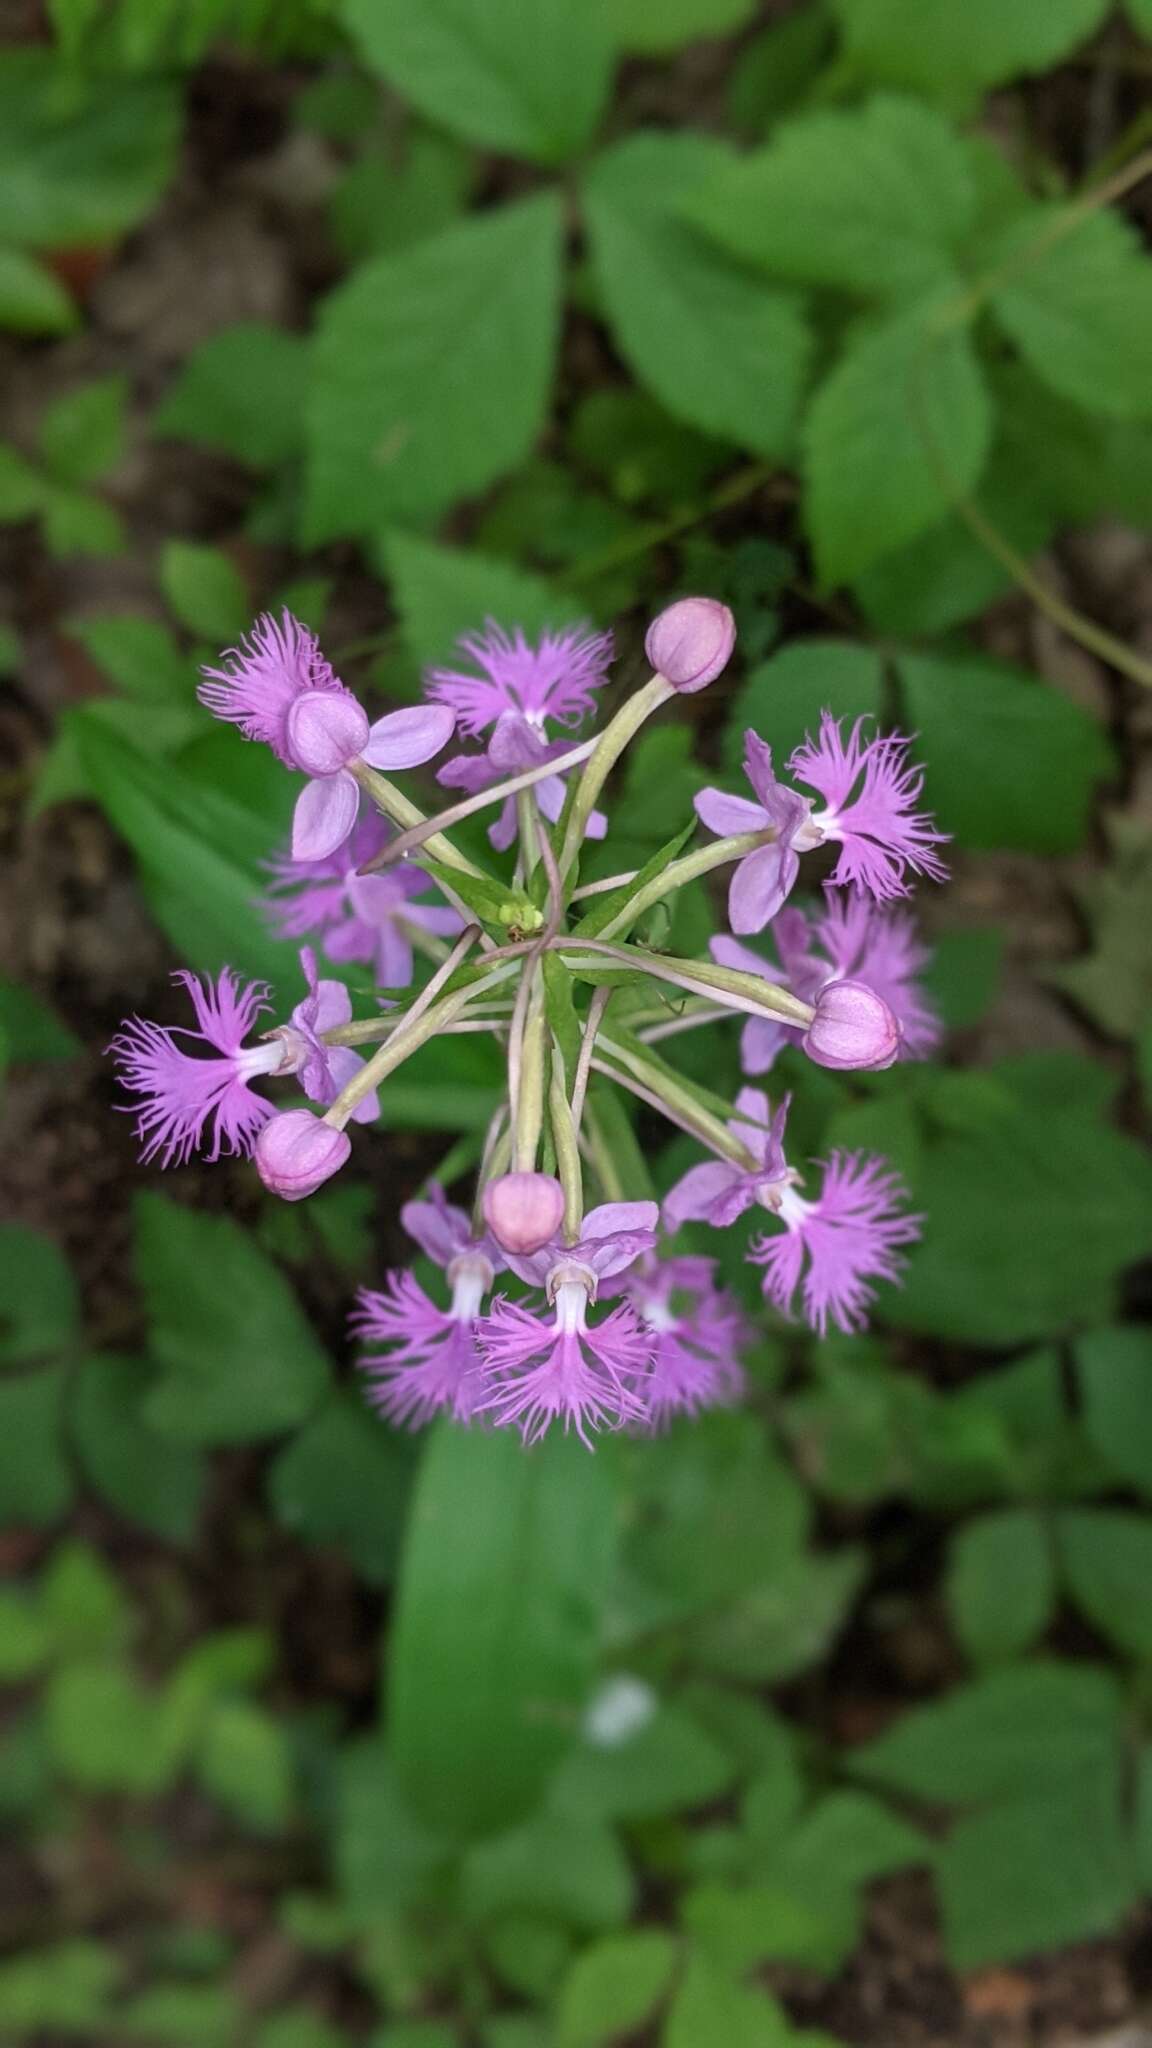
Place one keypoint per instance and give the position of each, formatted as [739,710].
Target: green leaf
[1034,1218]
[565,1867]
[224,1380]
[64,1987]
[782,1626]
[180,2016]
[142,1474]
[345,1480]
[199,851]
[529,77]
[1009,761]
[381,206]
[32,300]
[848,1838]
[1107,1554]
[780,1921]
[25,1645]
[951,53]
[1113,981]
[35,1480]
[1114,1371]
[613,1988]
[667,1764]
[1080,309]
[242,1762]
[1027,1728]
[652,27]
[606,907]
[432,370]
[898,429]
[774,73]
[22,489]
[716,346]
[709,2010]
[75,523]
[1001,1584]
[441,593]
[30,1031]
[83,1603]
[205,590]
[107,1733]
[82,433]
[495,1636]
[870,201]
[948,574]
[242,390]
[783,698]
[143,658]
[78,175]
[1038,1873]
[385,1856]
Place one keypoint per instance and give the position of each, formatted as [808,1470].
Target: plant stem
[688,869]
[605,753]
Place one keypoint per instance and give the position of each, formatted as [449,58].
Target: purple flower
[698,1331]
[870,789]
[187,1098]
[849,937]
[432,1364]
[870,792]
[556,679]
[516,744]
[611,1238]
[279,688]
[835,1244]
[357,917]
[763,880]
[587,1376]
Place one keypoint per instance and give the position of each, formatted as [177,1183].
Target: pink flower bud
[523,1210]
[296,1152]
[325,730]
[690,642]
[852,1027]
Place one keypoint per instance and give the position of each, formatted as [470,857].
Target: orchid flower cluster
[611,1326]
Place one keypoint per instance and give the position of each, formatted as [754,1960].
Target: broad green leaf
[22,489]
[963,974]
[1030,1727]
[181,2015]
[242,1762]
[35,1479]
[496,1630]
[651,27]
[613,1987]
[199,853]
[432,370]
[25,1641]
[1114,1371]
[385,1857]
[782,1920]
[83,1603]
[224,1379]
[780,1627]
[1107,1555]
[1113,981]
[76,523]
[848,1838]
[717,347]
[529,77]
[107,1732]
[345,1480]
[1009,761]
[82,433]
[869,201]
[1080,309]
[1038,1873]
[242,390]
[441,593]
[30,1031]
[566,1867]
[954,53]
[774,72]
[1001,1583]
[949,575]
[782,700]
[73,175]
[142,1474]
[1034,1218]
[143,658]
[65,1987]
[380,205]
[205,590]
[667,1764]
[710,2010]
[32,300]
[897,431]
[608,906]
[39,1299]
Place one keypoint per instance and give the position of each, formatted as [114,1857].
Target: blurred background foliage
[827,1720]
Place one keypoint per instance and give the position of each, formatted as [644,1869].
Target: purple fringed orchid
[278,687]
[357,917]
[832,1246]
[698,1331]
[870,792]
[521,687]
[187,1099]
[588,1376]
[848,937]
[432,1365]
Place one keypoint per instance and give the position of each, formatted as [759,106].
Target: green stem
[735,990]
[564,1137]
[679,1103]
[607,750]
[689,869]
[402,811]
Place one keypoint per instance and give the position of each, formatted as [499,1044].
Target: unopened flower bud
[523,1210]
[296,1152]
[690,642]
[853,1027]
[325,730]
